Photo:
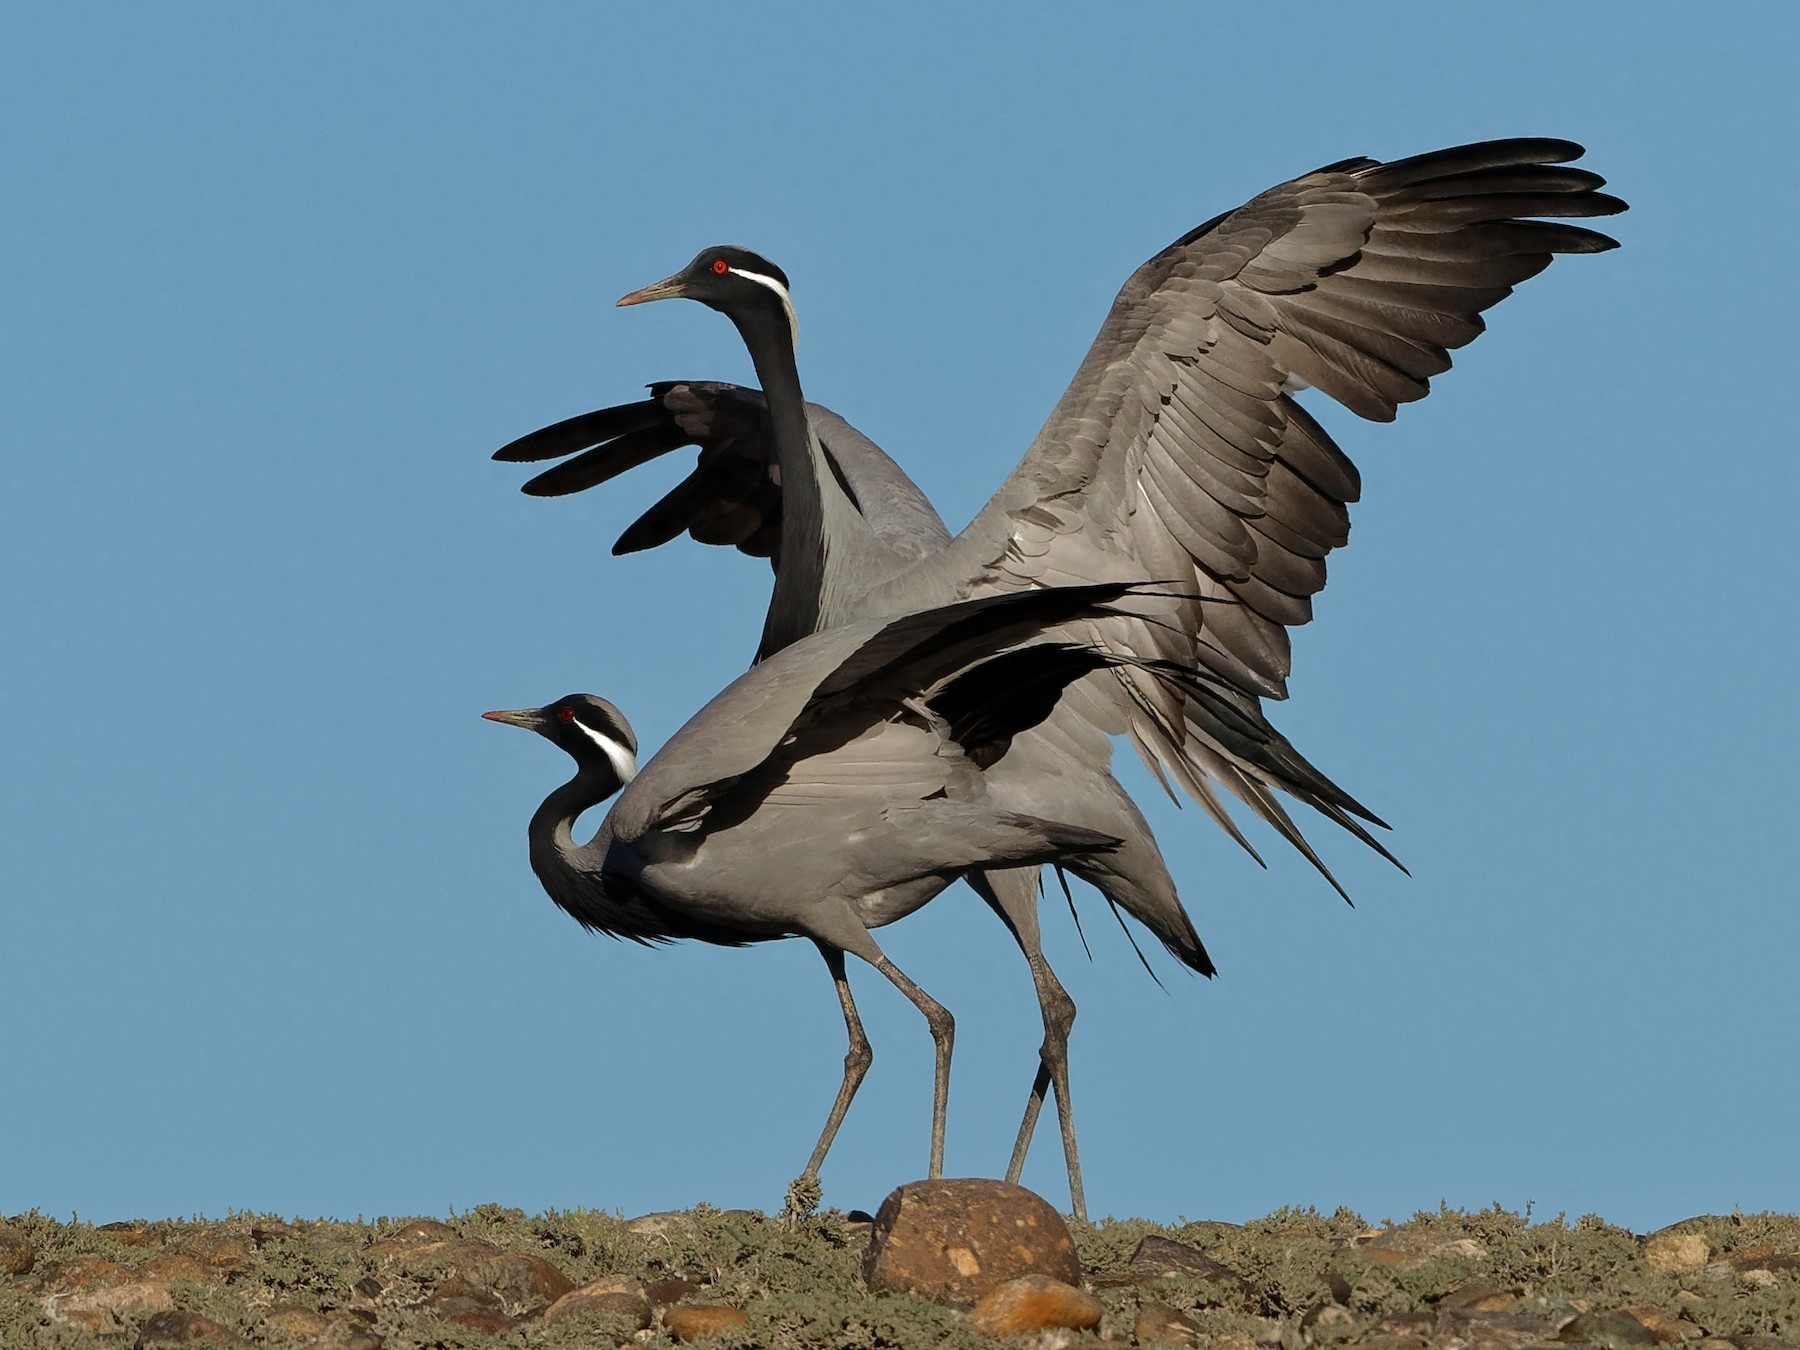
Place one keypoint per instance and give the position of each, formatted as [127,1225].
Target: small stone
[523,1284]
[295,1323]
[102,1309]
[1676,1253]
[955,1241]
[488,1323]
[1410,1245]
[1034,1303]
[614,1296]
[175,1328]
[1328,1319]
[135,1232]
[1667,1330]
[1764,1258]
[691,1321]
[1159,1258]
[1761,1342]
[1409,1323]
[225,1254]
[438,1254]
[1476,1296]
[423,1230]
[1233,1340]
[666,1293]
[1610,1330]
[1159,1323]
[456,1296]
[661,1224]
[81,1272]
[16,1252]
[1759,1278]
[173,1266]
[1689,1296]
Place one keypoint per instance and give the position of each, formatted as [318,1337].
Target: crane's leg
[1012,894]
[839,926]
[856,1059]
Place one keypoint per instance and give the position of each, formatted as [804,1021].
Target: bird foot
[803,1197]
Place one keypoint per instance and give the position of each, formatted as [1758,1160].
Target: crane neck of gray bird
[821,528]
[555,856]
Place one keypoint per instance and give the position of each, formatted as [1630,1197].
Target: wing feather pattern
[1178,453]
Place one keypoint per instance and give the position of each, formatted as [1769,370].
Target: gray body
[1178,455]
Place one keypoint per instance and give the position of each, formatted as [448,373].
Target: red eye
[721,266]
[567,714]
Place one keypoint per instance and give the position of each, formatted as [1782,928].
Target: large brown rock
[1034,1303]
[523,1284]
[956,1241]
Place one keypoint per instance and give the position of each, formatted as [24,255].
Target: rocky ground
[957,1268]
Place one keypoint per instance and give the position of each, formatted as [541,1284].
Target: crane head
[590,729]
[732,280]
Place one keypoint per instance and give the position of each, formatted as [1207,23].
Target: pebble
[1477,1296]
[81,1272]
[523,1284]
[136,1232]
[1158,1258]
[614,1296]
[664,1293]
[423,1230]
[174,1328]
[172,1266]
[1610,1330]
[1034,1303]
[1409,1245]
[660,1224]
[102,1309]
[1676,1253]
[295,1323]
[1158,1323]
[421,1258]
[691,1321]
[488,1323]
[225,1254]
[1326,1317]
[16,1252]
[955,1241]
[1667,1330]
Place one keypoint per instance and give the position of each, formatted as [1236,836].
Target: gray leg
[839,927]
[856,1060]
[943,1036]
[1013,896]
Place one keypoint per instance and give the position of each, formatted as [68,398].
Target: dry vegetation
[1445,1281]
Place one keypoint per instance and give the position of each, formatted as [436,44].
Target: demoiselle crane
[833,788]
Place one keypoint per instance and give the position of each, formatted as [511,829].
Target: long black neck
[569,871]
[817,519]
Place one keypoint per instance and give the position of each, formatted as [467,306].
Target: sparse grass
[802,1288]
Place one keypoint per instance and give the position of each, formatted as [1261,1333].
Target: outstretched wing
[1178,444]
[733,496]
[1178,453]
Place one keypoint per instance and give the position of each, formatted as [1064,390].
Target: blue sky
[277,280]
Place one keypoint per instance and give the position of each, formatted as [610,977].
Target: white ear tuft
[787,301]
